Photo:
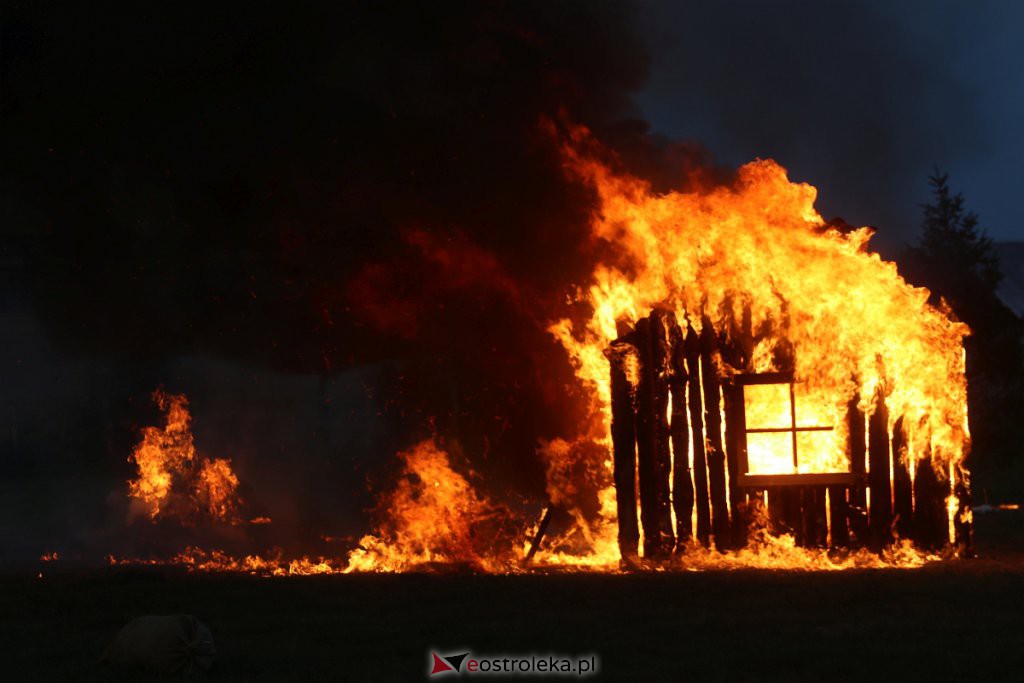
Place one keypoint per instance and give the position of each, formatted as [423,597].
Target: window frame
[748,480]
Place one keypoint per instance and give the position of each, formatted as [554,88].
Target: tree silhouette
[955,260]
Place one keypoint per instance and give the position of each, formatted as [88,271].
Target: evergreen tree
[955,260]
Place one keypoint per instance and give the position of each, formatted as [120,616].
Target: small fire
[173,481]
[433,516]
[49,557]
[196,559]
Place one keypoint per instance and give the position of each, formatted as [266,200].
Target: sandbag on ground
[169,643]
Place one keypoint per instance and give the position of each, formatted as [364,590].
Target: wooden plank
[542,528]
[963,521]
[931,525]
[880,511]
[857,494]
[902,487]
[787,430]
[777,510]
[747,378]
[691,346]
[815,529]
[652,438]
[839,530]
[792,505]
[924,485]
[735,426]
[620,354]
[713,426]
[682,484]
[661,321]
[808,479]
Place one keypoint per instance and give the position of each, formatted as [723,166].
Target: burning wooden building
[751,363]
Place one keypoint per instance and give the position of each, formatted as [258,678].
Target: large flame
[757,247]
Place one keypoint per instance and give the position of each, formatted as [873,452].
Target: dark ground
[961,620]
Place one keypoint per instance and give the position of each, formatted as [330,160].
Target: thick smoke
[339,228]
[336,229]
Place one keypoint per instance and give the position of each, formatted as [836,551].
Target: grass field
[961,620]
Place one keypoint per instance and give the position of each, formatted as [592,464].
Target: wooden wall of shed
[686,460]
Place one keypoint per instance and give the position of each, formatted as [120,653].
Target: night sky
[858,98]
[342,228]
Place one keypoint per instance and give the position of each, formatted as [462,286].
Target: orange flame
[432,516]
[758,247]
[172,480]
[755,248]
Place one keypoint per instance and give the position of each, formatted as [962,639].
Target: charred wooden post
[815,529]
[541,530]
[792,508]
[621,355]
[691,346]
[931,526]
[713,425]
[880,513]
[682,485]
[902,488]
[661,321]
[926,522]
[784,513]
[776,512]
[652,437]
[857,446]
[963,524]
[735,426]
[839,531]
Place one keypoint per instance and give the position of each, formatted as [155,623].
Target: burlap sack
[171,643]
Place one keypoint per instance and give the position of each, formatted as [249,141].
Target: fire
[172,479]
[757,249]
[433,516]
[754,250]
[195,559]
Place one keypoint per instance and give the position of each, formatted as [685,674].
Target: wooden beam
[748,378]
[713,426]
[760,481]
[621,354]
[652,437]
[857,495]
[691,346]
[682,484]
[931,524]
[839,530]
[542,528]
[963,522]
[902,488]
[880,512]
[814,516]
[735,426]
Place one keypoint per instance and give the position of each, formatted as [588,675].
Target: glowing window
[776,431]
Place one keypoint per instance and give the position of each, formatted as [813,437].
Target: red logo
[443,663]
